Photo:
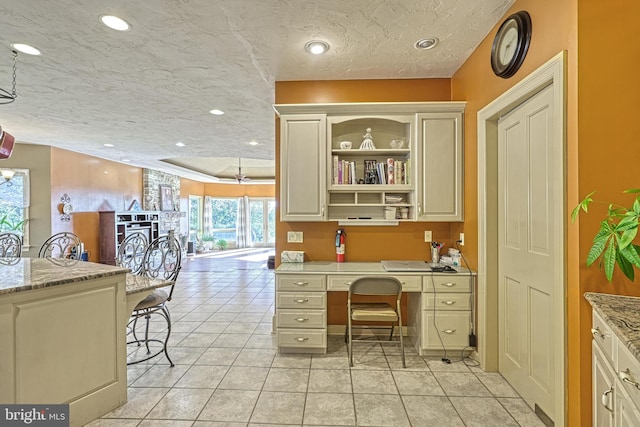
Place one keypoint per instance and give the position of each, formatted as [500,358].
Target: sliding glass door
[262,222]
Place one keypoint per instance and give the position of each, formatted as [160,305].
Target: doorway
[263,221]
[491,274]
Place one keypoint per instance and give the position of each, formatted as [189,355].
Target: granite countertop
[24,274]
[622,314]
[137,283]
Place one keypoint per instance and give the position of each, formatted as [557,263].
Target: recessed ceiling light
[317,47]
[217,112]
[428,43]
[126,160]
[115,23]
[25,48]
[254,143]
[108,145]
[180,144]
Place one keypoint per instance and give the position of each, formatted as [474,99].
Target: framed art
[166,198]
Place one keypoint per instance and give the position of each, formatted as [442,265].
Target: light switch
[294,237]
[427,236]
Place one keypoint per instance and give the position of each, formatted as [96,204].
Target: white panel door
[528,261]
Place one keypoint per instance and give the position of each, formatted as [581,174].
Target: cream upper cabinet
[371,163]
[303,139]
[440,167]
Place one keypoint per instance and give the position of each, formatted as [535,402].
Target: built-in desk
[62,333]
[438,305]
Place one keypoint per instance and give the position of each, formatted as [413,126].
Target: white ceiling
[146,89]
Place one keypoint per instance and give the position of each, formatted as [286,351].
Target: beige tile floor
[227,372]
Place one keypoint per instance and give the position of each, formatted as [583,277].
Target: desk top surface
[24,274]
[330,267]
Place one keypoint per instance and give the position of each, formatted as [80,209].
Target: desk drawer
[453,326]
[603,336]
[446,283]
[628,367]
[301,300]
[302,319]
[302,338]
[300,282]
[342,282]
[446,301]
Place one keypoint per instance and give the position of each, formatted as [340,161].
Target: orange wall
[363,243]
[93,185]
[608,154]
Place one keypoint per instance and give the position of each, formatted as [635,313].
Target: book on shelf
[335,170]
[390,171]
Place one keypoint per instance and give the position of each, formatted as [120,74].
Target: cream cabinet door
[303,154]
[440,163]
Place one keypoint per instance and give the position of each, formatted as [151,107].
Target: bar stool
[61,245]
[10,245]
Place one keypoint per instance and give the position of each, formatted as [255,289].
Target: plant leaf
[627,237]
[609,259]
[625,266]
[597,248]
[630,253]
[632,190]
[584,205]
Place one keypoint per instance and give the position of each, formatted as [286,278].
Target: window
[195,217]
[224,215]
[14,204]
[263,221]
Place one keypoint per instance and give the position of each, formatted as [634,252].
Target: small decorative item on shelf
[345,145]
[397,144]
[367,142]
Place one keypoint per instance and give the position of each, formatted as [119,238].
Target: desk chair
[131,252]
[161,260]
[379,312]
[10,245]
[61,245]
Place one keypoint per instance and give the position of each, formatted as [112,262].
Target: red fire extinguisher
[340,242]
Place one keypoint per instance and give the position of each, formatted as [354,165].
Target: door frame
[552,73]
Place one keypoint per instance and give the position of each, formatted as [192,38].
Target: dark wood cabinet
[116,226]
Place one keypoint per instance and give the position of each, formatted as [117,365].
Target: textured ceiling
[146,89]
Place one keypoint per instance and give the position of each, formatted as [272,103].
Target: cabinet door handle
[302,319]
[448,284]
[626,377]
[606,399]
[302,339]
[323,210]
[301,301]
[301,283]
[448,302]
[420,209]
[449,331]
[596,333]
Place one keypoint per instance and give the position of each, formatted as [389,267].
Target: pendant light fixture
[6,96]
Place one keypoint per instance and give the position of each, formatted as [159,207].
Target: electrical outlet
[294,237]
[427,236]
[461,239]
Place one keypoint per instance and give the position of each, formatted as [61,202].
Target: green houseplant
[613,244]
[221,244]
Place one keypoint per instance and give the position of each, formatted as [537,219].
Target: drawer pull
[302,339]
[626,377]
[301,301]
[302,319]
[448,302]
[301,283]
[606,399]
[448,284]
[449,331]
[596,333]
[347,283]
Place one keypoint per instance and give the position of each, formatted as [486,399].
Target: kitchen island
[63,333]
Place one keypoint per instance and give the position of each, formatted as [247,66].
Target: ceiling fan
[240,177]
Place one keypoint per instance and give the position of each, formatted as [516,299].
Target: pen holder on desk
[435,255]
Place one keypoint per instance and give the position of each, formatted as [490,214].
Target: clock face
[510,44]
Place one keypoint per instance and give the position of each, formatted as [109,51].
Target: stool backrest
[61,245]
[162,259]
[10,245]
[131,252]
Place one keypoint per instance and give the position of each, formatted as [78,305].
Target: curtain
[207,220]
[242,223]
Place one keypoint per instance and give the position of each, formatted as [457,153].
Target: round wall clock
[511,44]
